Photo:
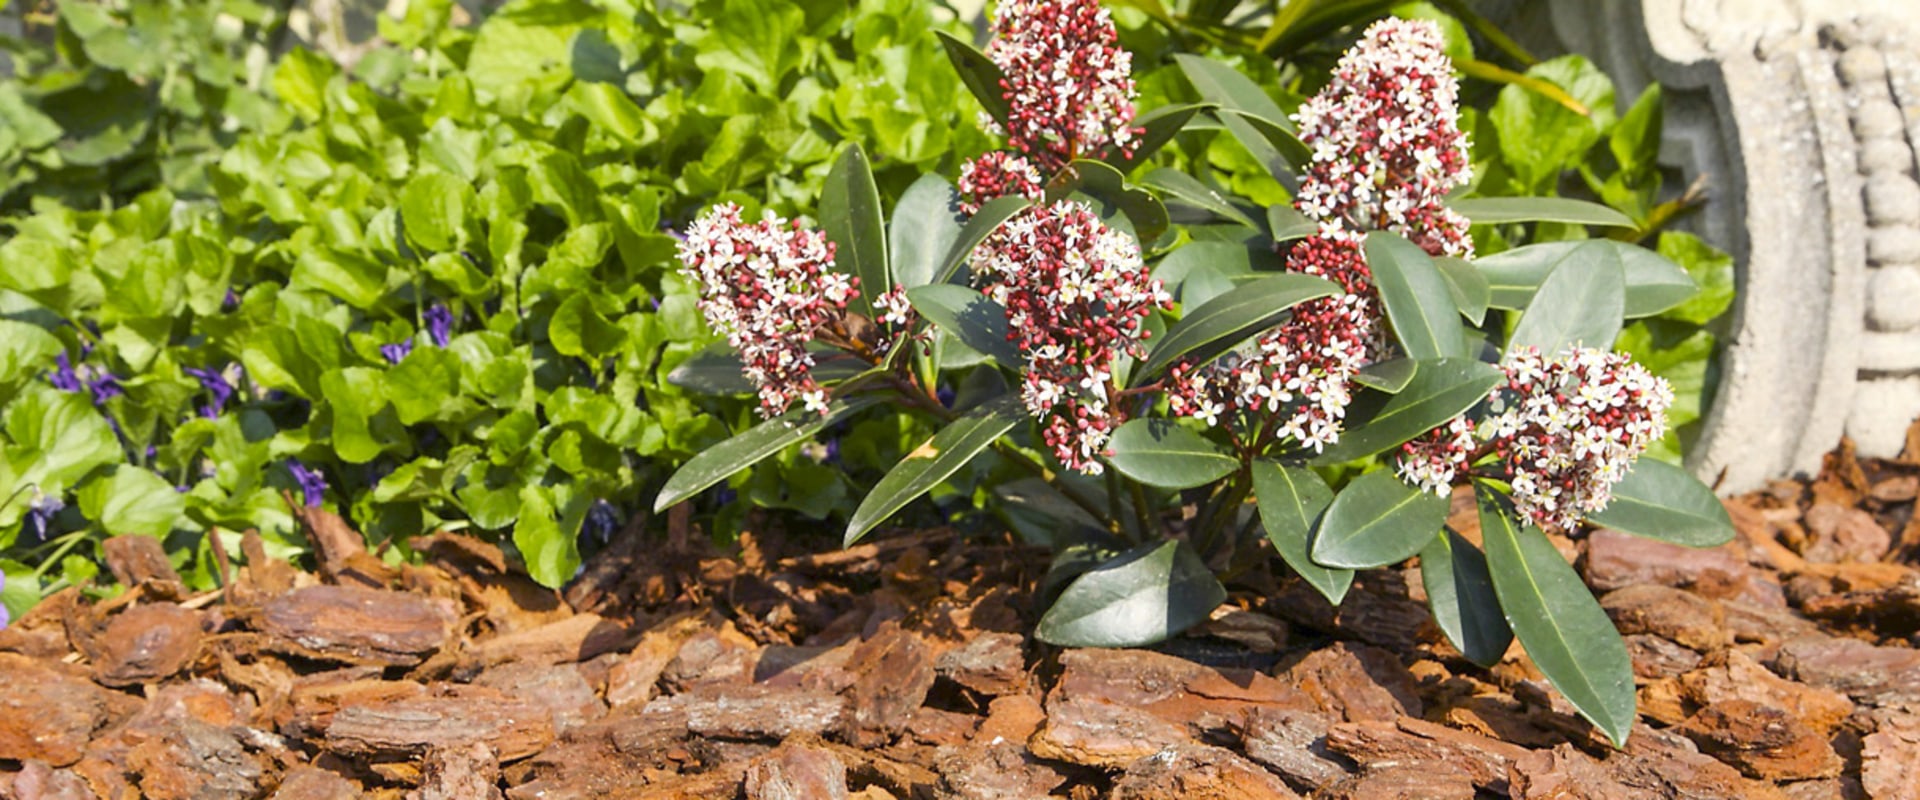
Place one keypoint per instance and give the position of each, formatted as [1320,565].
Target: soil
[1781,665]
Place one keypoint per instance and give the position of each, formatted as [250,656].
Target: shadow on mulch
[1780,665]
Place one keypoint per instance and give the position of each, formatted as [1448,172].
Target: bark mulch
[1781,665]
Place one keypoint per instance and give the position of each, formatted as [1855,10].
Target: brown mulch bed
[1781,665]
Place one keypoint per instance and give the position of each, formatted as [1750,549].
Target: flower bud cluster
[1386,139]
[1069,86]
[1076,295]
[1299,373]
[995,175]
[1561,432]
[768,286]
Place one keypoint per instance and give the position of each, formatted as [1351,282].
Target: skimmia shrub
[1355,370]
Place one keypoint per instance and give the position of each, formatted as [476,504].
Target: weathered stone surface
[1292,743]
[797,772]
[1682,617]
[1003,771]
[459,772]
[448,717]
[146,643]
[895,669]
[1761,741]
[1482,760]
[1868,674]
[756,711]
[1563,773]
[1356,683]
[312,783]
[1195,770]
[990,663]
[1101,734]
[48,714]
[358,625]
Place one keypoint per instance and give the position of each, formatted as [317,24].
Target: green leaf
[1471,293]
[425,385]
[976,321]
[1224,86]
[1460,594]
[1564,630]
[1377,520]
[1183,187]
[53,440]
[1285,223]
[926,224]
[1653,283]
[716,463]
[434,207]
[1660,501]
[1418,301]
[1158,452]
[1708,267]
[1105,184]
[300,81]
[133,500]
[1580,303]
[355,394]
[990,217]
[759,40]
[25,350]
[1439,391]
[1388,376]
[1539,137]
[1143,596]
[1226,321]
[850,214]
[1156,129]
[1199,271]
[1635,141]
[21,589]
[609,108]
[578,330]
[717,370]
[547,545]
[1498,210]
[979,73]
[932,462]
[1293,500]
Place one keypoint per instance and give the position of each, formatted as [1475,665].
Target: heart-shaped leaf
[1377,520]
[1226,321]
[1661,501]
[1143,596]
[714,464]
[1158,452]
[1460,594]
[932,462]
[1292,502]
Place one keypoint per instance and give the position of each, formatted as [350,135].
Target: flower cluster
[1386,140]
[1069,86]
[769,287]
[1076,295]
[997,174]
[1561,432]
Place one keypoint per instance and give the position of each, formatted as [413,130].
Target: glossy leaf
[1498,210]
[1388,376]
[1224,86]
[1158,452]
[716,463]
[850,215]
[932,462]
[1580,303]
[1284,224]
[991,216]
[1661,501]
[1461,597]
[1157,128]
[1292,501]
[973,319]
[926,223]
[718,370]
[1143,596]
[1438,391]
[1377,520]
[1557,620]
[978,72]
[1103,183]
[1183,187]
[1419,304]
[1470,291]
[1653,283]
[1225,321]
[133,500]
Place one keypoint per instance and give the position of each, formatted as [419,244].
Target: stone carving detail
[1805,117]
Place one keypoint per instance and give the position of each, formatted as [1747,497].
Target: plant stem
[1141,512]
[67,543]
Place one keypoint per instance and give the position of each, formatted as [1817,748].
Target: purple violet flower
[397,351]
[313,485]
[216,384]
[103,384]
[601,522]
[63,377]
[439,325]
[40,514]
[5,618]
[231,301]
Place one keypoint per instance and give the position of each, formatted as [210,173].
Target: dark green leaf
[926,224]
[1377,520]
[1419,304]
[1224,86]
[1653,283]
[1580,303]
[1225,321]
[850,214]
[1180,186]
[991,215]
[717,370]
[1498,210]
[1388,376]
[1469,288]
[1145,595]
[714,464]
[1105,184]
[978,72]
[977,322]
[1460,594]
[932,462]
[1661,501]
[1293,500]
[1708,267]
[1157,127]
[1158,452]
[578,330]
[1564,630]
[1439,391]
[1287,224]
